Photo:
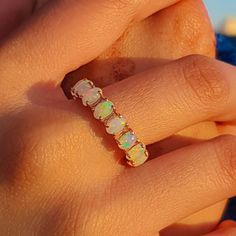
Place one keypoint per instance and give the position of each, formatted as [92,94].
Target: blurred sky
[219,9]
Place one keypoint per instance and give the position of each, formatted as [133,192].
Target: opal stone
[127,140]
[115,125]
[91,96]
[137,155]
[103,110]
[81,87]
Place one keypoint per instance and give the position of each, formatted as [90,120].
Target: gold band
[104,110]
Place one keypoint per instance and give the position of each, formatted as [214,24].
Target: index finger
[65,35]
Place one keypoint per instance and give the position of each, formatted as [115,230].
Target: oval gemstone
[115,125]
[81,87]
[137,155]
[127,140]
[103,110]
[91,96]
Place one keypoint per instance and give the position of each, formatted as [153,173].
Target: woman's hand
[62,175]
[174,32]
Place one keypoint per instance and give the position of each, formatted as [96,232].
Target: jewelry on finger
[116,125]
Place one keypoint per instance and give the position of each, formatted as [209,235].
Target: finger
[65,35]
[133,53]
[159,103]
[167,189]
[227,228]
[181,23]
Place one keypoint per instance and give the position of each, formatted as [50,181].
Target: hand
[148,44]
[60,175]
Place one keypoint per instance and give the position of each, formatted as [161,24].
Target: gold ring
[116,125]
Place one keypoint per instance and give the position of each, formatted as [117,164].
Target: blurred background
[223,15]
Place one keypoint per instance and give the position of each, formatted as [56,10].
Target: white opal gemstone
[91,96]
[127,140]
[103,110]
[115,125]
[137,155]
[81,87]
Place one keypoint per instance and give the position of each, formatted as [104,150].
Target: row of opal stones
[115,124]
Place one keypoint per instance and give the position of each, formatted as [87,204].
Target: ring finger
[198,88]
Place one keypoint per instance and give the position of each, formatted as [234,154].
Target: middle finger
[163,101]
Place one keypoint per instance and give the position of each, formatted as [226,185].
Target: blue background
[219,9]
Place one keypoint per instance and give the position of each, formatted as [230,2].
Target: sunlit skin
[61,174]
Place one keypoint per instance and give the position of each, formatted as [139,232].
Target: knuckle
[205,79]
[225,150]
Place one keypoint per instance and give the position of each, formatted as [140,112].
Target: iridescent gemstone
[91,96]
[137,155]
[127,140]
[81,87]
[103,110]
[115,125]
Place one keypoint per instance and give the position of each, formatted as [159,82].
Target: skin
[130,55]
[52,177]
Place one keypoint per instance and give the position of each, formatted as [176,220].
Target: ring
[116,125]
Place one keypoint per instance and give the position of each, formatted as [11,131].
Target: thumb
[227,228]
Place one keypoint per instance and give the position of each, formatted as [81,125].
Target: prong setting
[116,125]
